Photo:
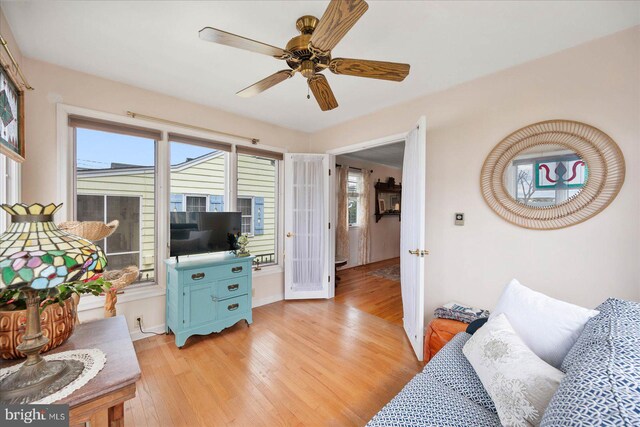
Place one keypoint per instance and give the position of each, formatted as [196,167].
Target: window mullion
[231,181]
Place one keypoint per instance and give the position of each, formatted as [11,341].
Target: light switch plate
[459,218]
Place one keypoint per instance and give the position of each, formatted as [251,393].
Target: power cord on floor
[139,320]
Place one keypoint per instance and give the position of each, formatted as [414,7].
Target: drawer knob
[197,276]
[233,287]
[232,307]
[236,269]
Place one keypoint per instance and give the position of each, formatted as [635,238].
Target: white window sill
[91,302]
[269,270]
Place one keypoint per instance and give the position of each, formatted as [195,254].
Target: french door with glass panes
[309,249]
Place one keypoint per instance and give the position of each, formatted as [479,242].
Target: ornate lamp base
[36,378]
[34,382]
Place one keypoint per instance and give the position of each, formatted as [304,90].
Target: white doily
[93,360]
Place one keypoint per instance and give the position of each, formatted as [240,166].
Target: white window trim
[205,196]
[66,165]
[253,208]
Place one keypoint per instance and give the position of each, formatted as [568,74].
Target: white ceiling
[155,45]
[389,155]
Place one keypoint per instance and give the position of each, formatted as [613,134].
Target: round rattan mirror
[552,174]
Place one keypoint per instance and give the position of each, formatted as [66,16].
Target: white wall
[597,83]
[385,234]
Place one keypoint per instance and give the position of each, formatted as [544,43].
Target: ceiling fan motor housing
[299,47]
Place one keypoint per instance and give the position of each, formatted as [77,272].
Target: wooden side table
[439,332]
[115,383]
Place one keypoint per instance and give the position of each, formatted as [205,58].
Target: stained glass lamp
[36,255]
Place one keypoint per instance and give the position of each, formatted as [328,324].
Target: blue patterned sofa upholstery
[602,382]
[601,386]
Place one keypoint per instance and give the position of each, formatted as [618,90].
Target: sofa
[601,386]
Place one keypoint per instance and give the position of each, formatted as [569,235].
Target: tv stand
[207,294]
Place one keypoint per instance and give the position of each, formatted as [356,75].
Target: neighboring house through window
[115,175]
[115,179]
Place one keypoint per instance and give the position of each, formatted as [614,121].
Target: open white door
[308,247]
[412,234]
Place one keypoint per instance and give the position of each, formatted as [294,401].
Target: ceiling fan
[310,52]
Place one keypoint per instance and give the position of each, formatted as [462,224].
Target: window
[123,246]
[258,201]
[115,171]
[354,185]
[115,180]
[9,187]
[245,206]
[548,180]
[196,203]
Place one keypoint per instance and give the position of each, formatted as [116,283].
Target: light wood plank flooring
[375,295]
[311,363]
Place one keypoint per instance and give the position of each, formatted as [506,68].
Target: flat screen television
[202,232]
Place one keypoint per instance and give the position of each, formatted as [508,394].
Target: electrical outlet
[139,319]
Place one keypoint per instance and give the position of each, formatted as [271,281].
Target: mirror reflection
[546,175]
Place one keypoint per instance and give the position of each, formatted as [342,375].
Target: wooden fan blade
[265,84]
[222,37]
[372,69]
[337,20]
[322,92]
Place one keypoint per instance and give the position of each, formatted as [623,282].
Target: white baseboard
[160,329]
[267,300]
[137,335]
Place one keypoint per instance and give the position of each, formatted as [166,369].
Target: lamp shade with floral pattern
[35,253]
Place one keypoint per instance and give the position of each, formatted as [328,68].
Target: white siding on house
[140,184]
[257,177]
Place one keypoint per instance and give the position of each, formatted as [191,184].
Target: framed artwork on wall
[11,117]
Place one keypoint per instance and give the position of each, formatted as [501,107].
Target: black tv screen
[202,232]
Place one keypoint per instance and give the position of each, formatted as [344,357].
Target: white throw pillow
[548,326]
[519,382]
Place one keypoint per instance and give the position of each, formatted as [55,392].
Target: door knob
[419,252]
[289,234]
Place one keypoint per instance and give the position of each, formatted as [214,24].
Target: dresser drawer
[210,274]
[229,288]
[232,307]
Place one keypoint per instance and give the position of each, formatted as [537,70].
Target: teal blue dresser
[207,294]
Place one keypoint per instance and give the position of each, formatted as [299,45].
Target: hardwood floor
[303,363]
[375,295]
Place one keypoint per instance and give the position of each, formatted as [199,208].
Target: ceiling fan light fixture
[307,68]
[309,53]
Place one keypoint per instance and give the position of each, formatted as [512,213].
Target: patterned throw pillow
[519,382]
